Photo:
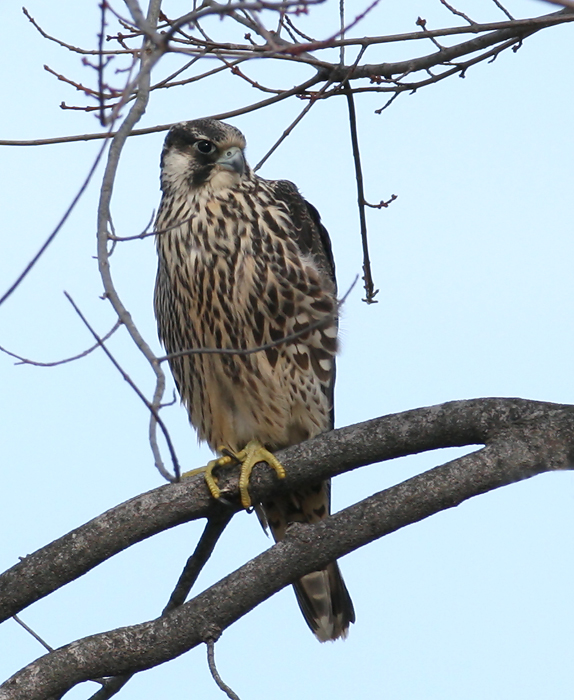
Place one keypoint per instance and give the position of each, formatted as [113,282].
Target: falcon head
[203,152]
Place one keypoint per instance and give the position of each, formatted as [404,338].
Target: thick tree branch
[209,538]
[543,443]
[452,424]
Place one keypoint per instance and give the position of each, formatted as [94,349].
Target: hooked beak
[232,159]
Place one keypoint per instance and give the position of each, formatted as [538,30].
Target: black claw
[225,502]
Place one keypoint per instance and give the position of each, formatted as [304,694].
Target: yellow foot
[211,480]
[253,453]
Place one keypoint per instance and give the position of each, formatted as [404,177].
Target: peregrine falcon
[245,262]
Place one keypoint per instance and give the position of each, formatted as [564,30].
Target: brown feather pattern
[245,261]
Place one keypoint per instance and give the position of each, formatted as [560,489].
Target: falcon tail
[322,595]
[325,603]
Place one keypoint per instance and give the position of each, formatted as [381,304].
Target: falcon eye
[204,146]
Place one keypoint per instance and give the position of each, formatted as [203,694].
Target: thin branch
[299,49]
[209,538]
[78,86]
[144,234]
[503,9]
[286,133]
[70,47]
[261,348]
[149,56]
[290,23]
[389,102]
[58,228]
[370,290]
[457,12]
[215,674]
[179,71]
[79,356]
[34,634]
[235,70]
[422,23]
[382,204]
[151,408]
[316,96]
[101,99]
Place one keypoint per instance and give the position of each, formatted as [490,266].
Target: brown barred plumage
[244,261]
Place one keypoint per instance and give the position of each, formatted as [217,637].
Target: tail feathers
[322,595]
[325,603]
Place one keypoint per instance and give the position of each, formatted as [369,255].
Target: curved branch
[518,452]
[452,424]
[55,363]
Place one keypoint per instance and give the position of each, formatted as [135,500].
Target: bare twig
[70,47]
[134,386]
[79,356]
[31,631]
[422,23]
[457,12]
[78,86]
[261,348]
[389,102]
[213,670]
[289,22]
[370,290]
[291,126]
[58,228]
[103,7]
[382,204]
[144,234]
[503,9]
[342,31]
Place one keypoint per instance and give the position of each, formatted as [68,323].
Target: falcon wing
[312,239]
[309,234]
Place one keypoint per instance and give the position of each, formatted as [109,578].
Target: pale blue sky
[474,265]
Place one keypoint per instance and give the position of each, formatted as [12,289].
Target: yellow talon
[253,453]
[211,480]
